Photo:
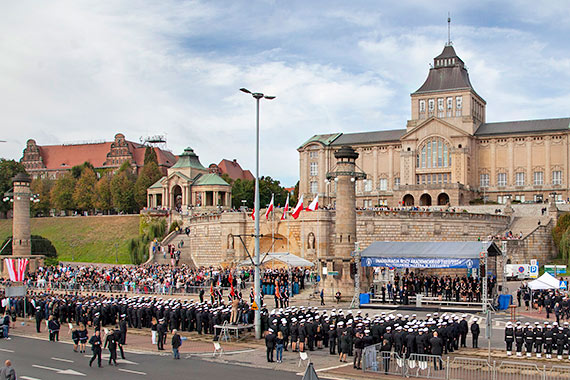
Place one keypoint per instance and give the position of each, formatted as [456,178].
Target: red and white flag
[253,214]
[285,209]
[314,204]
[297,210]
[269,208]
[16,268]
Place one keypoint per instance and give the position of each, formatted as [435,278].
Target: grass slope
[89,238]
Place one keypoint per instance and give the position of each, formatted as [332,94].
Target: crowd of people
[553,302]
[449,288]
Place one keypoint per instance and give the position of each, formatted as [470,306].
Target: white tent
[546,281]
[284,257]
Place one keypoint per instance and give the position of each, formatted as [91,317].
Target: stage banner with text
[418,262]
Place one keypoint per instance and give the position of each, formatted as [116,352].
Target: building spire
[448,29]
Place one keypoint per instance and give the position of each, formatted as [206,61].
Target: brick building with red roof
[51,161]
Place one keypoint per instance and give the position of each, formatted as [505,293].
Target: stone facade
[447,153]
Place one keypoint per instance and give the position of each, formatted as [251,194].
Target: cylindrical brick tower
[21,241]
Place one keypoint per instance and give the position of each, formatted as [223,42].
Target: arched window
[434,153]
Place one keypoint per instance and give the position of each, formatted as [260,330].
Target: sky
[80,70]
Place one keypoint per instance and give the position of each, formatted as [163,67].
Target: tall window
[431,106]
[449,107]
[314,169]
[502,179]
[383,184]
[313,154]
[557,177]
[484,180]
[440,109]
[368,185]
[434,153]
[458,105]
[519,179]
[538,178]
[313,187]
[422,106]
[397,182]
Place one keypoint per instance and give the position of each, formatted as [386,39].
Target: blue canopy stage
[427,254]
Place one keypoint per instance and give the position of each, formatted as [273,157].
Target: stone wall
[537,245]
[214,239]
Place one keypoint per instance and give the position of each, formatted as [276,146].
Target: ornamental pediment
[434,126]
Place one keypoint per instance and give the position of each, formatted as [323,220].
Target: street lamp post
[257,277]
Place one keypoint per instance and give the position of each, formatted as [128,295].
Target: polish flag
[314,204]
[285,209]
[253,214]
[269,208]
[297,210]
[16,268]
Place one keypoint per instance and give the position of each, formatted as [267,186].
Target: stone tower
[21,242]
[345,175]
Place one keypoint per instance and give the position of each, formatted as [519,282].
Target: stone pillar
[547,169]
[345,222]
[493,179]
[21,241]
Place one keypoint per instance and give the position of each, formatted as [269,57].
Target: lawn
[85,238]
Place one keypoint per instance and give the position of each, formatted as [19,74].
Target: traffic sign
[533,269]
[254,306]
[521,269]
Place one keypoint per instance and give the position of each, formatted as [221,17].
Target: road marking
[29,378]
[62,360]
[225,353]
[6,350]
[327,369]
[60,371]
[131,371]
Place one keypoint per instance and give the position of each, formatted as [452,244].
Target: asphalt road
[42,360]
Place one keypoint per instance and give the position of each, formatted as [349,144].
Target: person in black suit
[386,348]
[475,330]
[270,344]
[437,350]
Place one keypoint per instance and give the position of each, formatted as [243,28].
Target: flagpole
[272,227]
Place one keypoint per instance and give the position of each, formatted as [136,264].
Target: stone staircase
[527,224]
[185,253]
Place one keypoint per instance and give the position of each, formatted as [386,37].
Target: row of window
[521,198]
[538,179]
[444,107]
[368,185]
[433,178]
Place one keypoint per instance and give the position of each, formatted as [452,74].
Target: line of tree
[243,189]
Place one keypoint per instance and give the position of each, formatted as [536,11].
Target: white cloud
[84,70]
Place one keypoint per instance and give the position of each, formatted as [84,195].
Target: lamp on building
[257,96]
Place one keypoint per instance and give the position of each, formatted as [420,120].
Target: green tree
[150,156]
[8,169]
[149,175]
[40,246]
[562,225]
[42,187]
[84,194]
[77,170]
[61,195]
[226,177]
[103,200]
[295,197]
[243,189]
[123,189]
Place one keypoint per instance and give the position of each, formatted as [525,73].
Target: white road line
[62,360]
[225,353]
[326,369]
[29,378]
[131,371]
[335,367]
[6,350]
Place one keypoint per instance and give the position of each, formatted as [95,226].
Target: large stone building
[52,161]
[448,153]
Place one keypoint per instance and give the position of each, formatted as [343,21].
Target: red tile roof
[234,170]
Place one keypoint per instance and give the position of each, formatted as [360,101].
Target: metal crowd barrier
[458,368]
